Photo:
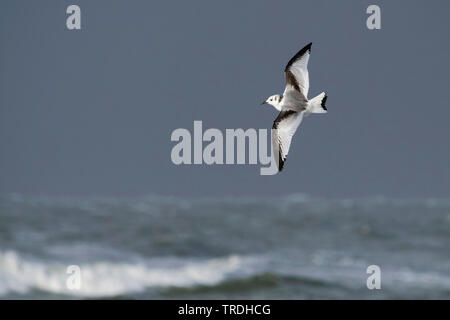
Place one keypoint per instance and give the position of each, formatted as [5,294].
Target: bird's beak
[264,102]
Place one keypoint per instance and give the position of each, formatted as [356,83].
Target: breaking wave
[107,279]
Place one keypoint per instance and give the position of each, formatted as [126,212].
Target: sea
[164,247]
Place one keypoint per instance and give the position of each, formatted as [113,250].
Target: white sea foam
[107,279]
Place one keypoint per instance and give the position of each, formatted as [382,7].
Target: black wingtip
[308,46]
[281,165]
[298,55]
[324,100]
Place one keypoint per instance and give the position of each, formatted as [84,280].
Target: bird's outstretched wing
[297,77]
[283,130]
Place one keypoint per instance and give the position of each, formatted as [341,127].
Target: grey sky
[91,112]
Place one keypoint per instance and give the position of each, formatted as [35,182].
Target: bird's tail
[317,104]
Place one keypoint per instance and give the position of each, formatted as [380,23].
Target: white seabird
[293,104]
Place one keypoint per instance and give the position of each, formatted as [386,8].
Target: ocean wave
[289,247]
[234,274]
[107,279]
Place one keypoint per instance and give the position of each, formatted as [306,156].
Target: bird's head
[274,101]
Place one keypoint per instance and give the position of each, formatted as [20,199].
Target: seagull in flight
[293,104]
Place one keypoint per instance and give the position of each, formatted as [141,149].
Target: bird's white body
[293,104]
[311,106]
